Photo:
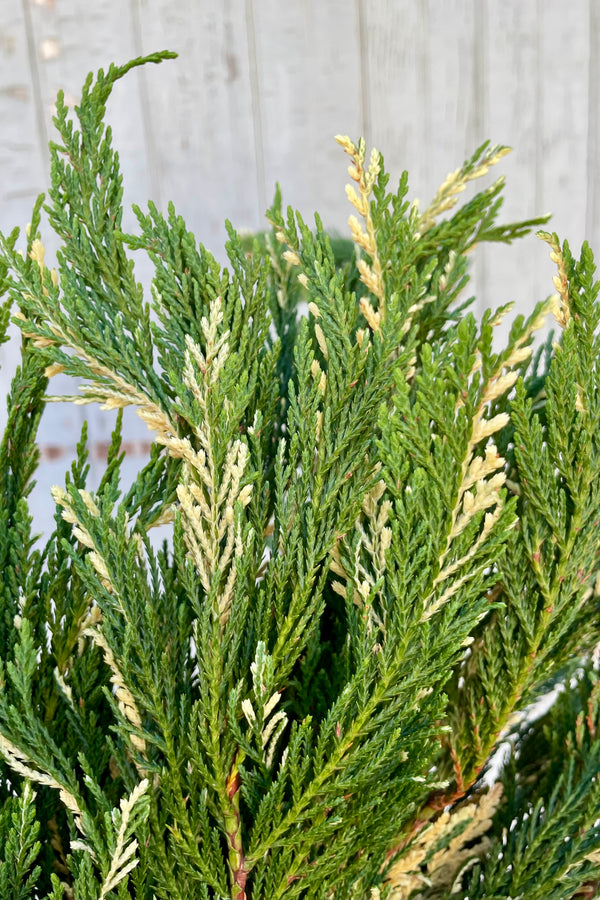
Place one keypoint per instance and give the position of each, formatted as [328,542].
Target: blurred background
[258,92]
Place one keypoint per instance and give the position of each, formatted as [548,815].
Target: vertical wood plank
[424,114]
[452,127]
[445,77]
[511,109]
[425,64]
[23,133]
[69,41]
[397,62]
[308,68]
[564,71]
[201,114]
[21,138]
[592,219]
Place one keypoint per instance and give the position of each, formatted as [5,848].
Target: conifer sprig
[383,546]
[548,574]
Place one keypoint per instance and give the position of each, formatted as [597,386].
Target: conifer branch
[381,547]
[456,182]
[371,275]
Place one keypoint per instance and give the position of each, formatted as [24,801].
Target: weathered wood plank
[426,92]
[511,114]
[308,73]
[22,132]
[443,78]
[592,219]
[200,109]
[396,59]
[563,85]
[68,44]
[23,128]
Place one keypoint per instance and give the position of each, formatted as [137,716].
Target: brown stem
[233,828]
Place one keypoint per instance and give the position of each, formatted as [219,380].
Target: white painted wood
[565,54]
[592,184]
[308,74]
[67,40]
[260,89]
[201,113]
[510,113]
[22,136]
[425,90]
[397,63]
[23,132]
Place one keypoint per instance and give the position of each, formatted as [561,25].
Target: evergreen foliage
[384,549]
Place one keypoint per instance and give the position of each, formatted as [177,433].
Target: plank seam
[40,117]
[256,108]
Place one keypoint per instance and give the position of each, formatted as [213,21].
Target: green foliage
[19,831]
[383,547]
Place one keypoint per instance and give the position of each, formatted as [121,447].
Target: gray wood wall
[261,87]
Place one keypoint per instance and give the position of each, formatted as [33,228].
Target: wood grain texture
[592,121]
[427,91]
[201,114]
[308,67]
[395,46]
[74,38]
[71,39]
[510,114]
[23,134]
[22,138]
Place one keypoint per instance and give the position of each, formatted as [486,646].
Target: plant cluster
[384,548]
